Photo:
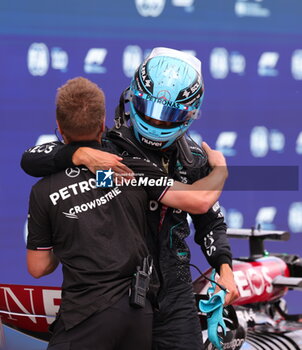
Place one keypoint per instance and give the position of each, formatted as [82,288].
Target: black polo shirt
[98,234]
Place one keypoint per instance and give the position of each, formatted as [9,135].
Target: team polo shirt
[98,234]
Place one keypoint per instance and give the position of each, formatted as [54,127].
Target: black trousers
[176,325]
[120,327]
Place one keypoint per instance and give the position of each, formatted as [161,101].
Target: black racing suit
[176,324]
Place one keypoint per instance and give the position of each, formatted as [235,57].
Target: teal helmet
[165,97]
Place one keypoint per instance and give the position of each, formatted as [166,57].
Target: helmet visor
[162,109]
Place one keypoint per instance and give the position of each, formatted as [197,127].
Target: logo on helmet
[163,101]
[164,94]
[151,143]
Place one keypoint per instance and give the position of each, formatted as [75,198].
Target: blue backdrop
[252,65]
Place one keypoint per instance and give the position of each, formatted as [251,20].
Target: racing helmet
[166,93]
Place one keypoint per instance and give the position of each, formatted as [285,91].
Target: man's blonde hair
[80,107]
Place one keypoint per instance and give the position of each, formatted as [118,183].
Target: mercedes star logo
[72,172]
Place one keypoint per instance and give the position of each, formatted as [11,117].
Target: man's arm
[200,196]
[196,198]
[41,263]
[41,260]
[210,234]
[95,159]
[40,160]
[226,279]
[52,157]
